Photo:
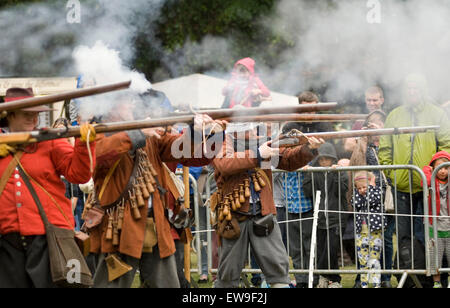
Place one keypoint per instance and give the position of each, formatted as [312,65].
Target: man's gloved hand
[6,149]
[87,187]
[267,152]
[84,129]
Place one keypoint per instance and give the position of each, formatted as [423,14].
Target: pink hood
[249,63]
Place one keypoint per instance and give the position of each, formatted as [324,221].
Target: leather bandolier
[141,186]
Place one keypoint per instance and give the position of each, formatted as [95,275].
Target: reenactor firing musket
[295,137]
[49,99]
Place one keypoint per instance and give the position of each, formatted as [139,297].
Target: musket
[296,118]
[53,98]
[252,111]
[74,131]
[295,137]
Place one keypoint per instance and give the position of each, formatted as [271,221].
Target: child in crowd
[331,222]
[369,224]
[442,211]
[244,88]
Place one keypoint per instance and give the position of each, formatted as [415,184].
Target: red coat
[428,172]
[18,211]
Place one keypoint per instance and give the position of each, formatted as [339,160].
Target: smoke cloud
[339,48]
[339,43]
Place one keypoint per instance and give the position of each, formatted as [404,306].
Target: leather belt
[18,241]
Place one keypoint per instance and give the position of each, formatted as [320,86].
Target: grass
[348,280]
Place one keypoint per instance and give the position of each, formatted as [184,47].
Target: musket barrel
[235,112]
[372,132]
[297,118]
[49,99]
[292,140]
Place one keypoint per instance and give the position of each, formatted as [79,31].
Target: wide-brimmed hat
[14,94]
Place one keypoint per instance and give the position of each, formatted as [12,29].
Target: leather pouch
[263,226]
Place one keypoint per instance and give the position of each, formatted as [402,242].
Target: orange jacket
[47,162]
[231,170]
[109,149]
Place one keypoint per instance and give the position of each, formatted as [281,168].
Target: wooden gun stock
[17,138]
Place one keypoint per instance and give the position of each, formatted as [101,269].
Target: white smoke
[39,39]
[333,47]
[101,65]
[338,43]
[104,65]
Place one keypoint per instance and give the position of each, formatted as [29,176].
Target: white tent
[202,91]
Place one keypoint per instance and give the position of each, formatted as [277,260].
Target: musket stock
[49,99]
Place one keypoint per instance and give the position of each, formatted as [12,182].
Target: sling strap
[26,178]
[108,177]
[8,172]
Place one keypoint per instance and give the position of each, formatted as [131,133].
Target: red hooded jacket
[239,93]
[428,172]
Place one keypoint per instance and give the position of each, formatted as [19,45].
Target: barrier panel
[435,244]
[408,219]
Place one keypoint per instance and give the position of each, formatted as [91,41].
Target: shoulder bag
[62,248]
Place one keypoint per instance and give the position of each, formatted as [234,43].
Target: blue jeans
[410,204]
[386,259]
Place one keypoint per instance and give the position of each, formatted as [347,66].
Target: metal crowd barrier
[434,244]
[404,272]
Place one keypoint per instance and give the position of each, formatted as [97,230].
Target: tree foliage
[180,23]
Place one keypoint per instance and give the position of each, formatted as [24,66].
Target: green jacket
[396,149]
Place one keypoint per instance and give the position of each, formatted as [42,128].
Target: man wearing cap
[244,207]
[24,257]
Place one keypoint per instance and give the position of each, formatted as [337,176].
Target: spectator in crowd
[330,224]
[244,88]
[366,153]
[442,211]
[289,196]
[412,149]
[369,222]
[374,98]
